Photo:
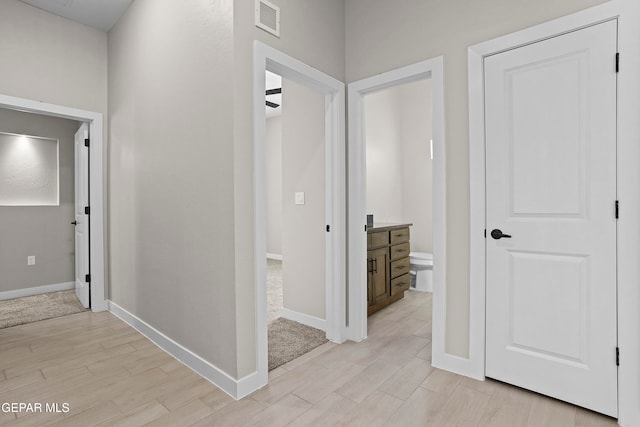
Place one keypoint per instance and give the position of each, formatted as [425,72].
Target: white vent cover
[268,17]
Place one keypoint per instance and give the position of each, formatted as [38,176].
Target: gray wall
[399,166]
[181,150]
[172,172]
[383,35]
[52,59]
[303,233]
[313,32]
[43,231]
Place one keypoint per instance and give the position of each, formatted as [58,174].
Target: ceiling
[99,14]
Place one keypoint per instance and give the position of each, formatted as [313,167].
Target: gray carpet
[30,309]
[289,340]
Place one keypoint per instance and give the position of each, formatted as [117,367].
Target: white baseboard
[277,257]
[234,388]
[27,292]
[305,319]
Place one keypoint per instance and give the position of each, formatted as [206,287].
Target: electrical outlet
[31,260]
[299,199]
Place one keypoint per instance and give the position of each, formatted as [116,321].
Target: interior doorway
[95,182]
[43,164]
[332,92]
[296,196]
[431,70]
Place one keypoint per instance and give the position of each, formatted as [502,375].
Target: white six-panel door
[81,219]
[551,186]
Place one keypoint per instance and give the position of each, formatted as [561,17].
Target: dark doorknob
[74,223]
[497,234]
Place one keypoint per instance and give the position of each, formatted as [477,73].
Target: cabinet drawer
[400,284]
[400,235]
[378,239]
[399,267]
[400,251]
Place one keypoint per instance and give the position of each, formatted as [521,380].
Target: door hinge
[86,142]
[617,356]
[485,233]
[617,62]
[328,228]
[617,209]
[87,278]
[87,210]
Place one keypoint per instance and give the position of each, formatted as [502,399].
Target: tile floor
[110,375]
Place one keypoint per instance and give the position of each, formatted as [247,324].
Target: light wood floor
[110,375]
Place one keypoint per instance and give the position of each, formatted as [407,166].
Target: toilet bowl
[422,266]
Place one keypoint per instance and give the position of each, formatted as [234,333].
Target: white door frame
[627,12]
[430,69]
[267,58]
[96,178]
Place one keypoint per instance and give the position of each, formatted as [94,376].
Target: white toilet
[422,268]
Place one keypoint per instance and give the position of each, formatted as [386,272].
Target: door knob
[74,223]
[497,234]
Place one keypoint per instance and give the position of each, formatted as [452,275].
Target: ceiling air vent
[268,17]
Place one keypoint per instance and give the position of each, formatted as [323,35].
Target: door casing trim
[432,69]
[627,13]
[267,58]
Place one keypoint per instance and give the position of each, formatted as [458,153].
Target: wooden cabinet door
[378,275]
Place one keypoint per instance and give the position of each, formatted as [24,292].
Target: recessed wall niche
[29,171]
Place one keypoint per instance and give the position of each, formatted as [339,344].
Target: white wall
[52,59]
[414,102]
[273,143]
[303,230]
[384,156]
[43,231]
[399,166]
[383,35]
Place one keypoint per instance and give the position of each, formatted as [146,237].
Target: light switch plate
[300,198]
[31,260]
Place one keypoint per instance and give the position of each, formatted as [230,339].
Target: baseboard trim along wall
[27,292]
[305,319]
[234,388]
[277,257]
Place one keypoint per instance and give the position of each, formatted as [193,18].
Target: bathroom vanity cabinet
[388,250]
